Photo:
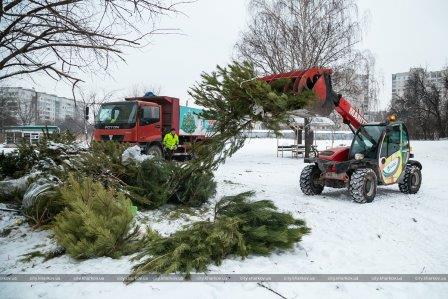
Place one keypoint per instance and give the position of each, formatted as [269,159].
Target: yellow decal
[392,168]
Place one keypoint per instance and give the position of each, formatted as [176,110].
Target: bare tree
[423,106]
[140,89]
[285,35]
[7,112]
[360,83]
[16,109]
[445,96]
[26,112]
[63,38]
[91,100]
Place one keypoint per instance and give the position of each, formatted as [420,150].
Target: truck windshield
[117,113]
[366,141]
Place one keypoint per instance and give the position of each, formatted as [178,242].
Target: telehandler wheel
[154,150]
[362,185]
[309,180]
[412,180]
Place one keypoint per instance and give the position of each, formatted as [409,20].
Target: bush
[96,221]
[240,228]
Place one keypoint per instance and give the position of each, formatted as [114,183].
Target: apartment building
[31,107]
[399,80]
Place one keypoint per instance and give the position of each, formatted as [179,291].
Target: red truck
[145,120]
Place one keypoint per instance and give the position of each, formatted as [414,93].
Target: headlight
[359,156]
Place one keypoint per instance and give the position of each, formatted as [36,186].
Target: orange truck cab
[146,120]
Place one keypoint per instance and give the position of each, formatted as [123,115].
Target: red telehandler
[380,153]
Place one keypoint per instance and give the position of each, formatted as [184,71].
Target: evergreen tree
[42,201]
[18,164]
[264,229]
[96,221]
[150,182]
[196,189]
[189,124]
[235,99]
[240,227]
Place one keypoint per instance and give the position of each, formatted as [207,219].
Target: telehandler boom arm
[318,80]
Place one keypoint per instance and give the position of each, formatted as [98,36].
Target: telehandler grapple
[380,153]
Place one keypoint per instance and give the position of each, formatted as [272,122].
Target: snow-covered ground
[396,233]
[7,149]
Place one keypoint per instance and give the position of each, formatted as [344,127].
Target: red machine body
[337,154]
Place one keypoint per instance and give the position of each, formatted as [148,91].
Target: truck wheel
[362,185]
[154,150]
[412,180]
[309,180]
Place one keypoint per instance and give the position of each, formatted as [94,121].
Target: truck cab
[143,121]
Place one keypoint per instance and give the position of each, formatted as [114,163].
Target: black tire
[309,180]
[363,183]
[412,180]
[155,151]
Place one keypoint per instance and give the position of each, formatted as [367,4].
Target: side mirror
[86,113]
[148,121]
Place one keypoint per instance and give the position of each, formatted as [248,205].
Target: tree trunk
[308,137]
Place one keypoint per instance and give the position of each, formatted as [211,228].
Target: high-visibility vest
[170,141]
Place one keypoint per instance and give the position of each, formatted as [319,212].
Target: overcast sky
[401,34]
